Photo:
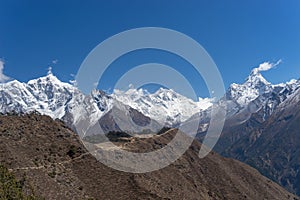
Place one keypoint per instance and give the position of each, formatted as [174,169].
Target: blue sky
[238,35]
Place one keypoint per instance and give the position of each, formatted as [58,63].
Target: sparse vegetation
[52,174]
[41,164]
[10,187]
[72,151]
[116,136]
[113,136]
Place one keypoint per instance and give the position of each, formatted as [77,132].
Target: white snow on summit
[165,105]
[49,96]
[254,86]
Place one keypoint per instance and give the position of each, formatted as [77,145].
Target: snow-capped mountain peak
[248,91]
[48,80]
[131,94]
[165,105]
[48,95]
[257,93]
[256,79]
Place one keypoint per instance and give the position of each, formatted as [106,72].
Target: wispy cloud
[3,77]
[95,84]
[55,61]
[73,81]
[265,66]
[49,70]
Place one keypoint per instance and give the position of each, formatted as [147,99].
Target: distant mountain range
[253,110]
[57,99]
[50,96]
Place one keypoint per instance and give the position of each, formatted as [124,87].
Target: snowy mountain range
[268,139]
[165,105]
[257,93]
[261,126]
[52,97]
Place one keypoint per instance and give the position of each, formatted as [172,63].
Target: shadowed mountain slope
[273,146]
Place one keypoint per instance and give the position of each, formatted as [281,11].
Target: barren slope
[54,165]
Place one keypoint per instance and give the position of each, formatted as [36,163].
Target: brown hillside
[52,163]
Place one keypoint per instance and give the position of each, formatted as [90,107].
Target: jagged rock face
[254,86]
[46,95]
[258,96]
[257,93]
[255,97]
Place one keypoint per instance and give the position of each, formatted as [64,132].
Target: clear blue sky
[238,35]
